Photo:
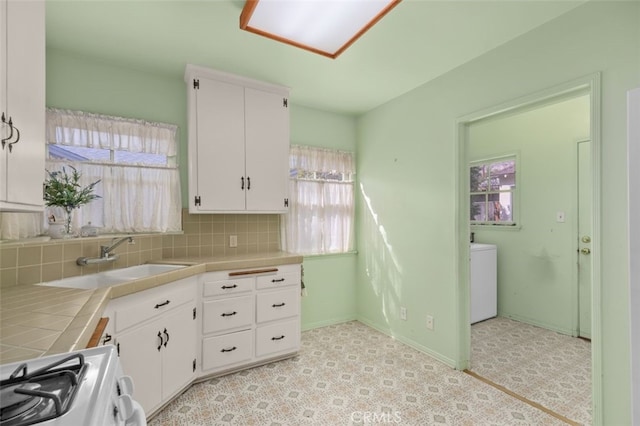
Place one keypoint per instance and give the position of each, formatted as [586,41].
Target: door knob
[585,251]
[586,239]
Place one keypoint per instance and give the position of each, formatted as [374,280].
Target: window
[321,202]
[135,162]
[492,189]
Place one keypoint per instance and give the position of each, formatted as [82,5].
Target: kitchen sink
[112,277]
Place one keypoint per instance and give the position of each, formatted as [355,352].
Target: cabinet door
[179,331]
[3,96]
[142,360]
[267,150]
[220,146]
[25,103]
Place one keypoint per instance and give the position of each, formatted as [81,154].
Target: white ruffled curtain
[85,129]
[135,198]
[321,210]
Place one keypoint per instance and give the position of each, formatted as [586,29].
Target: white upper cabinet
[238,144]
[22,100]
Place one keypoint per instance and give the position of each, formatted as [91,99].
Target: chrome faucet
[106,254]
[106,250]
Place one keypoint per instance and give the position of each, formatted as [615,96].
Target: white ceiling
[417,41]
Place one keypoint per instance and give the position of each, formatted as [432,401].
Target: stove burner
[14,403]
[46,393]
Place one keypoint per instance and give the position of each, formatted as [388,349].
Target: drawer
[273,305]
[226,314]
[218,287]
[154,304]
[278,279]
[279,337]
[229,349]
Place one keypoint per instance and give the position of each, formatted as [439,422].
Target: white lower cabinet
[278,337]
[155,333]
[205,325]
[227,349]
[249,316]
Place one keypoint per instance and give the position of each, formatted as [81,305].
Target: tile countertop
[40,320]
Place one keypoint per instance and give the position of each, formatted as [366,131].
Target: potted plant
[62,189]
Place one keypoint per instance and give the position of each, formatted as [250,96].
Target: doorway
[540,256]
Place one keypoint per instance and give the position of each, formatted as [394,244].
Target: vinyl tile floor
[543,366]
[349,374]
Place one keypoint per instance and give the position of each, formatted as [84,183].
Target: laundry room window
[492,191]
[321,202]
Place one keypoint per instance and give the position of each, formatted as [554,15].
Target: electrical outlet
[430,322]
[233,241]
[403,313]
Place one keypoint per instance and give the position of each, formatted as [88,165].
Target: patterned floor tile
[349,374]
[543,366]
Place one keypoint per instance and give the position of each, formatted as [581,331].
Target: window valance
[85,129]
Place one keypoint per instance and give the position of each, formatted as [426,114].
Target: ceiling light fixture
[326,27]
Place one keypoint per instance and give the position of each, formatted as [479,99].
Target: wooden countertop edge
[97,333]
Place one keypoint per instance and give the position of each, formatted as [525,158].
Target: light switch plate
[560,217]
[233,241]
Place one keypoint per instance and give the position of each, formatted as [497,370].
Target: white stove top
[104,393]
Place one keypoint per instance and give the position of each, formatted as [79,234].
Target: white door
[26,102]
[140,356]
[584,238]
[4,132]
[179,331]
[220,146]
[267,150]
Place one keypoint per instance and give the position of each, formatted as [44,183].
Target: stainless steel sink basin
[115,276]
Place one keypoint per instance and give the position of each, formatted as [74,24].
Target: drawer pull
[227,287]
[229,350]
[167,337]
[278,338]
[162,304]
[161,341]
[228,315]
[279,305]
[277,281]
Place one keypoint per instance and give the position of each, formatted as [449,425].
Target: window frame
[321,178]
[514,223]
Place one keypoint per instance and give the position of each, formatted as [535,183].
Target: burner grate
[43,394]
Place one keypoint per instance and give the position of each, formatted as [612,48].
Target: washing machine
[483,281]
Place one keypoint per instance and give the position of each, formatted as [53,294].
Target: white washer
[483,280]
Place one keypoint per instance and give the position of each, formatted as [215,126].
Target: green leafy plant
[64,190]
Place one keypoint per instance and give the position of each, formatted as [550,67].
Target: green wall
[89,84]
[536,260]
[407,165]
[330,280]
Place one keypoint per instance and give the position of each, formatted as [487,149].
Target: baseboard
[541,324]
[415,345]
[325,323]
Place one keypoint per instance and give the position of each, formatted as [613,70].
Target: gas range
[86,387]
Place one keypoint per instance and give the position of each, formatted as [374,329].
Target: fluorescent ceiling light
[327,27]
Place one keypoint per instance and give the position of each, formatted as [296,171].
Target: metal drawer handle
[226,287]
[229,350]
[167,335]
[162,304]
[107,339]
[228,315]
[161,341]
[277,281]
[279,305]
[278,338]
